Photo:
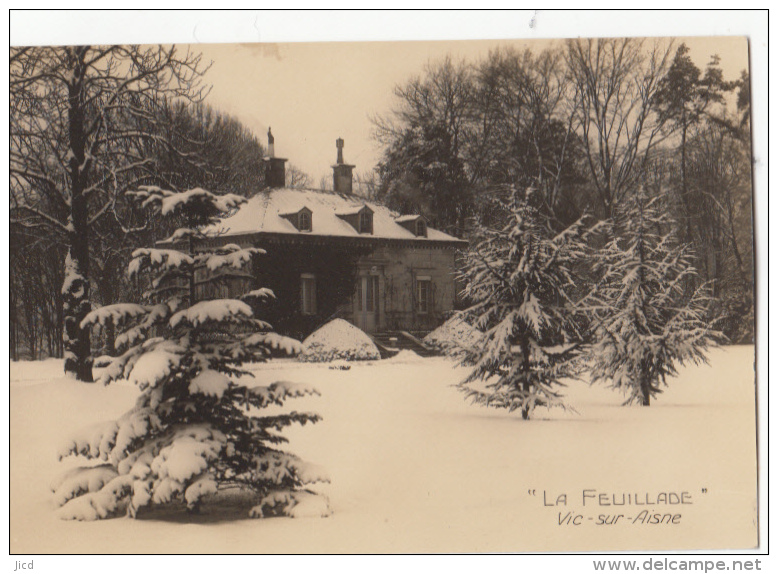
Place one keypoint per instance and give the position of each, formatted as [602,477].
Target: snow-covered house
[334,254]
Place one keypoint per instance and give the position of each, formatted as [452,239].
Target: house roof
[406,218]
[354,210]
[264,212]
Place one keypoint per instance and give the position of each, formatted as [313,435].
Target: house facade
[334,254]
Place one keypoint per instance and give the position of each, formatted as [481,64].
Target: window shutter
[308,294]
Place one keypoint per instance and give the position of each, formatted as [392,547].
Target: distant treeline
[587,124]
[89,124]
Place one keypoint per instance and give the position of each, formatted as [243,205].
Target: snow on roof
[294,212]
[264,212]
[354,210]
[404,218]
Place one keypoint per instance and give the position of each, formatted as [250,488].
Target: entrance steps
[390,343]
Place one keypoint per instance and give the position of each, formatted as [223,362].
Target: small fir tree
[521,279]
[646,313]
[196,426]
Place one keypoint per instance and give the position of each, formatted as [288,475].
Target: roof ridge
[341,194]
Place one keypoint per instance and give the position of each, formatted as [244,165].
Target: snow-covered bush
[647,315]
[338,340]
[520,278]
[455,337]
[196,427]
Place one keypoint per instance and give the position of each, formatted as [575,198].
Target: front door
[366,304]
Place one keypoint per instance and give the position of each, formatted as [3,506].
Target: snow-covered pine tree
[520,279]
[196,427]
[646,314]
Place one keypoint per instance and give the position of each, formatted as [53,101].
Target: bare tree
[424,169]
[212,150]
[616,81]
[366,184]
[525,134]
[719,173]
[296,178]
[685,98]
[461,133]
[81,119]
[325,183]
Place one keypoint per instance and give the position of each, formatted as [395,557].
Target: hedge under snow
[455,337]
[338,340]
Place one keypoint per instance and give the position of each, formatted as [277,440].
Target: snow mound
[455,336]
[406,356]
[338,340]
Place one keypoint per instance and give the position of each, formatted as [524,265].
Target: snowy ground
[417,469]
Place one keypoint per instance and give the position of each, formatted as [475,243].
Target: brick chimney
[342,179]
[275,172]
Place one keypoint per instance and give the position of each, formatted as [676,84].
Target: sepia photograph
[383,297]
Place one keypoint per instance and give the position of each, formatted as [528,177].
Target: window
[371,294]
[421,228]
[367,293]
[423,294]
[304,221]
[308,294]
[365,221]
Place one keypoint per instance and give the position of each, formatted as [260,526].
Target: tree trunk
[645,390]
[525,367]
[192,285]
[687,232]
[745,280]
[75,290]
[76,305]
[60,342]
[525,413]
[13,337]
[110,339]
[31,332]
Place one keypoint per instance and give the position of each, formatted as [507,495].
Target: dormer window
[360,218]
[304,220]
[366,221]
[416,224]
